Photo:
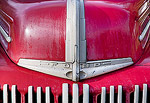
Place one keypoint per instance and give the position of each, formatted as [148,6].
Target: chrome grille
[75,94]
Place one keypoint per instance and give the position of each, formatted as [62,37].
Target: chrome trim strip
[5,93]
[144,99]
[95,68]
[47,95]
[103,95]
[55,68]
[72,31]
[64,69]
[111,94]
[10,18]
[75,36]
[82,48]
[5,22]
[30,94]
[85,93]
[143,8]
[39,92]
[13,93]
[65,96]
[72,37]
[119,94]
[141,37]
[75,93]
[136,94]
[5,35]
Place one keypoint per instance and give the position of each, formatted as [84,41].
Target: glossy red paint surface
[116,36]
[137,74]
[38,29]
[112,30]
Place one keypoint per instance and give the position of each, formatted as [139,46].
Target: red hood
[54,31]
[40,30]
[111,31]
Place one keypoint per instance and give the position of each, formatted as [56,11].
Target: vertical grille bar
[111,94]
[13,93]
[75,94]
[103,95]
[39,92]
[85,93]
[47,95]
[65,96]
[136,94]
[75,99]
[30,94]
[5,93]
[144,99]
[120,94]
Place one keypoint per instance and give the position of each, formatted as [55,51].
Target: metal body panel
[110,34]
[69,70]
[41,35]
[128,77]
[40,29]
[70,32]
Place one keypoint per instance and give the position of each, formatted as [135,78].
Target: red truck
[74,51]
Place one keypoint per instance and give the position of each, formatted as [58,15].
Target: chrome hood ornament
[76,66]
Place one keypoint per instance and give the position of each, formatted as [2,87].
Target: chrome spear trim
[75,66]
[64,69]
[75,36]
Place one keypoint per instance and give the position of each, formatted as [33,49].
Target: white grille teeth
[5,93]
[65,96]
[13,95]
[47,95]
[119,94]
[75,94]
[30,94]
[136,94]
[144,99]
[103,95]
